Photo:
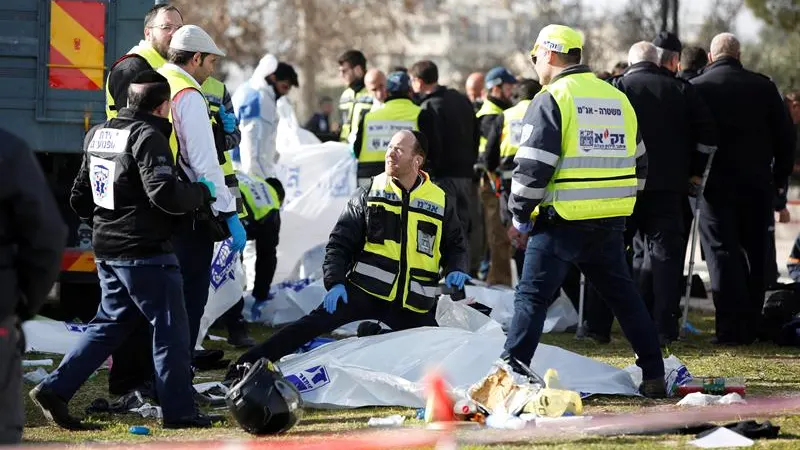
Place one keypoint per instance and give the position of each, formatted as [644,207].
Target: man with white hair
[679,133]
[753,164]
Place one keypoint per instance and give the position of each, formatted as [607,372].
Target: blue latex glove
[522,227]
[237,232]
[456,279]
[211,187]
[228,120]
[332,298]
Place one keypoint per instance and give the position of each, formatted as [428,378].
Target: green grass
[769,370]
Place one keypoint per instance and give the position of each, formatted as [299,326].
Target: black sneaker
[199,420]
[238,338]
[653,388]
[56,411]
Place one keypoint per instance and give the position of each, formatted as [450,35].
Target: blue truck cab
[54,60]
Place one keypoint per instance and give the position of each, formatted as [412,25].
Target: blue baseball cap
[499,75]
[398,82]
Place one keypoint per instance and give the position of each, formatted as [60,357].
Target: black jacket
[687,74]
[753,129]
[147,193]
[675,124]
[349,236]
[427,126]
[320,125]
[491,127]
[32,233]
[457,131]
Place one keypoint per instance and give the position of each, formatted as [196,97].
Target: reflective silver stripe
[588,162]
[642,182]
[596,193]
[426,291]
[640,149]
[707,149]
[374,272]
[532,193]
[537,154]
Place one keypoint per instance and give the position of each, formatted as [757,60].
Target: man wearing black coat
[678,130]
[32,237]
[755,156]
[452,168]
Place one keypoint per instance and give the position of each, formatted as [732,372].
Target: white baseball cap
[192,38]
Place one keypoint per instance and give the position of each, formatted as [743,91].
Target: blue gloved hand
[456,279]
[212,189]
[228,120]
[522,227]
[237,232]
[332,298]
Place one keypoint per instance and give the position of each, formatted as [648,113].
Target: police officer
[384,255]
[499,84]
[378,126]
[754,161]
[32,237]
[355,101]
[501,148]
[192,58]
[579,167]
[129,189]
[679,132]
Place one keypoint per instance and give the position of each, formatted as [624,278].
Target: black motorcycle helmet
[263,402]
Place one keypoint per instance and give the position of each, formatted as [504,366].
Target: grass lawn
[769,370]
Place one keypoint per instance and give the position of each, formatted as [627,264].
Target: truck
[54,58]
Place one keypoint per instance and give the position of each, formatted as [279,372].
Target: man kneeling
[383,258]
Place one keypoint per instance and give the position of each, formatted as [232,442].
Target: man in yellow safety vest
[580,163]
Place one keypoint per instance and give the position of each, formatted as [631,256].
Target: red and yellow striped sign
[78,261]
[77,34]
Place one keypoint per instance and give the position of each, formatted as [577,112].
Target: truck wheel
[79,300]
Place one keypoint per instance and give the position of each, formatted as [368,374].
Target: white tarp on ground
[389,369]
[293,300]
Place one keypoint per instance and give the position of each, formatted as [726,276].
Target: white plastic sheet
[226,288]
[389,369]
[51,336]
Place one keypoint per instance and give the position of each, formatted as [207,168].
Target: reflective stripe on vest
[149,54]
[487,109]
[214,92]
[400,259]
[596,175]
[352,105]
[511,137]
[260,197]
[379,127]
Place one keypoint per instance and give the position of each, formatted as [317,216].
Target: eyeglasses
[168,28]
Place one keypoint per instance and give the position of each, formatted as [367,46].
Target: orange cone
[439,407]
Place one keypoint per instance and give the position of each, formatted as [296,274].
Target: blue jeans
[150,287]
[596,247]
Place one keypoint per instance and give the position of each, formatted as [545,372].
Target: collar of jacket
[357,85]
[724,61]
[396,97]
[502,104]
[420,179]
[642,66]
[571,70]
[438,92]
[162,124]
